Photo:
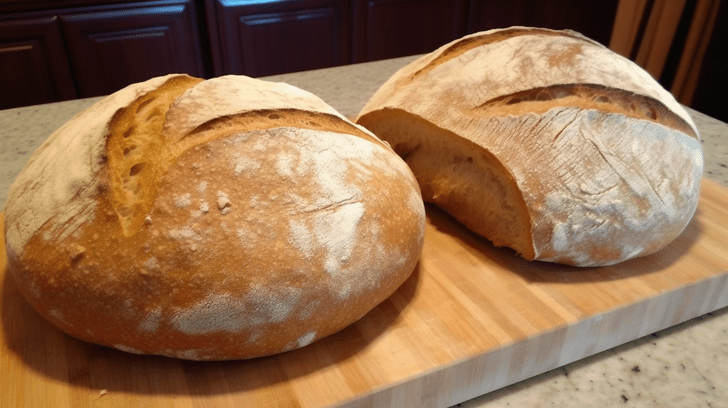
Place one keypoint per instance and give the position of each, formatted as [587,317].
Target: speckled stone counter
[682,366]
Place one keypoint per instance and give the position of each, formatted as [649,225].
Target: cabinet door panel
[33,65]
[265,39]
[305,42]
[395,28]
[591,18]
[110,49]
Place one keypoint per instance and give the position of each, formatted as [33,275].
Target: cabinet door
[33,64]
[112,47]
[265,38]
[395,28]
[591,18]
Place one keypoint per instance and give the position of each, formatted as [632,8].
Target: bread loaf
[208,220]
[545,142]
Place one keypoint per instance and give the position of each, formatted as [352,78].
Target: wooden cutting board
[471,319]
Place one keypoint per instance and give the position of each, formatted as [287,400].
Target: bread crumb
[223,201]
[103,392]
[76,252]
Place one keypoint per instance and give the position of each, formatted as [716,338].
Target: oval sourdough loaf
[208,220]
[546,142]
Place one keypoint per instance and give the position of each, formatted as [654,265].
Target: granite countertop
[683,366]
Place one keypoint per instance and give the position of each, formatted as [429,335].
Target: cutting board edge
[390,396]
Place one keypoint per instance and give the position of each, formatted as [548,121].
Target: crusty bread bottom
[461,178]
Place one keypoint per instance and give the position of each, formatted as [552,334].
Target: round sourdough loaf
[207,220]
[546,142]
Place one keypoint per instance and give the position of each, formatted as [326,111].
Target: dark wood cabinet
[59,54]
[33,64]
[395,28]
[266,38]
[112,47]
[594,19]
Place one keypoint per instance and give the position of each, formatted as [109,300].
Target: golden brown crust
[260,232]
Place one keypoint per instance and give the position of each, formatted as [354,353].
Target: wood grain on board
[472,318]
